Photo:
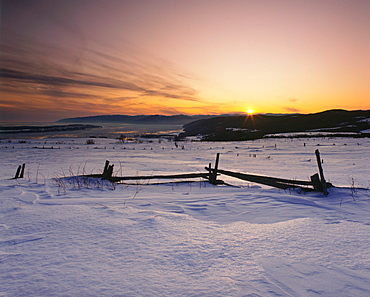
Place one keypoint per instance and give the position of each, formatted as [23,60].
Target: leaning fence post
[321,171]
[22,170]
[18,171]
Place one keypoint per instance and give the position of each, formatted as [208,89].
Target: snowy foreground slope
[81,237]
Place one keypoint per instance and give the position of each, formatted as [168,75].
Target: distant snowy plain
[83,237]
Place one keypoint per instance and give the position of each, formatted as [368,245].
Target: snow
[84,237]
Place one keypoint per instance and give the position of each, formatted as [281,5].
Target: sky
[92,57]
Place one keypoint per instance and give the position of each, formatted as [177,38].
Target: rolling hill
[229,128]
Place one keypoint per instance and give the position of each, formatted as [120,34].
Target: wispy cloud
[291,109]
[155,84]
[64,81]
[89,76]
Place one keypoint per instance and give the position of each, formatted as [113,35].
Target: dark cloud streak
[94,82]
[35,69]
[62,81]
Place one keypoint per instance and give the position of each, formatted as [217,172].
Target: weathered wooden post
[321,171]
[315,180]
[209,171]
[110,171]
[18,171]
[213,174]
[106,167]
[22,170]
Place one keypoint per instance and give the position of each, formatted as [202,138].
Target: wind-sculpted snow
[83,237]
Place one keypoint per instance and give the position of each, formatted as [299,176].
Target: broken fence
[317,182]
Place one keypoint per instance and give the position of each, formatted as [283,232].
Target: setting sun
[250,111]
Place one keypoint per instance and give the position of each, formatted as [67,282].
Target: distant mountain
[38,129]
[227,128]
[139,119]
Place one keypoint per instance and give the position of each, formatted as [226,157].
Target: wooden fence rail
[280,183]
[141,177]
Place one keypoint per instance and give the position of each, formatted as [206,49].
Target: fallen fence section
[273,181]
[317,181]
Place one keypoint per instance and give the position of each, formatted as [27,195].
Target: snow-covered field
[82,237]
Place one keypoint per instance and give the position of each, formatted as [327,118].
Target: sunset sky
[89,57]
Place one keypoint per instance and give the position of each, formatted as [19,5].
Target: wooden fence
[317,182]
